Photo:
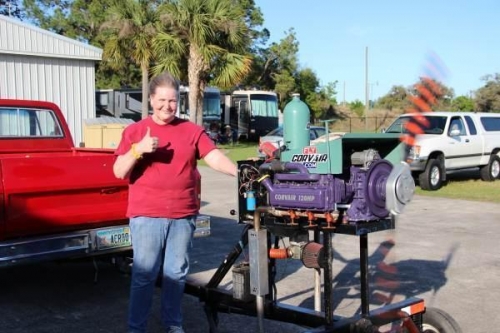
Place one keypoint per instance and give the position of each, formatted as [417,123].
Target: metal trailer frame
[409,313]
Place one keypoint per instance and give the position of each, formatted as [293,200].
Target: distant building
[40,65]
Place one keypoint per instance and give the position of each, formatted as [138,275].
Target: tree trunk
[195,65]
[193,99]
[201,92]
[145,92]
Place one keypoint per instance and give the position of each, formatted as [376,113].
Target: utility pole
[370,98]
[367,101]
[344,93]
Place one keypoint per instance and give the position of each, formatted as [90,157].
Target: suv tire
[491,171]
[432,178]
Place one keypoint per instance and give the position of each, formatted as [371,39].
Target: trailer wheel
[432,178]
[491,171]
[438,321]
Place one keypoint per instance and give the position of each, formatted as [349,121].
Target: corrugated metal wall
[68,83]
[39,64]
[22,38]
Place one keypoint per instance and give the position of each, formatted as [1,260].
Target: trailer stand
[408,312]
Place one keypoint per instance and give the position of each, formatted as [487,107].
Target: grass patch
[237,152]
[466,185]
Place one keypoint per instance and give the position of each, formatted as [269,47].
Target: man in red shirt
[158,155]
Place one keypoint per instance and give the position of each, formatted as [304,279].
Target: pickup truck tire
[491,171]
[432,178]
[438,321]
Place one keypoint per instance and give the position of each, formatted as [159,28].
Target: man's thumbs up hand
[148,144]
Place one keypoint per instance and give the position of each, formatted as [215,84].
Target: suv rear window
[491,124]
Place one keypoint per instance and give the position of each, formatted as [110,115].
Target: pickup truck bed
[59,205]
[57,192]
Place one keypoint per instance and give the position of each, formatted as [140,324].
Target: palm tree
[212,35]
[131,27]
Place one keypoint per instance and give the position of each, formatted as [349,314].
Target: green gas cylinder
[296,117]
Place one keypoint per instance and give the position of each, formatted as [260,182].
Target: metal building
[40,65]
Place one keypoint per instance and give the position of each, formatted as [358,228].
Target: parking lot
[445,251]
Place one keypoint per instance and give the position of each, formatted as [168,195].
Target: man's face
[164,104]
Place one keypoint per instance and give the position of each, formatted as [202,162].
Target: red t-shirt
[162,183]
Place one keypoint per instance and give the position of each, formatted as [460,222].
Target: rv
[250,113]
[119,103]
[211,105]
[127,103]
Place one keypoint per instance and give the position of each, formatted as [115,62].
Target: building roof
[107,120]
[17,37]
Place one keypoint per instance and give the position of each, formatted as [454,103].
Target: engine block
[363,192]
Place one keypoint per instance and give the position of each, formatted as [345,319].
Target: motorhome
[127,103]
[250,113]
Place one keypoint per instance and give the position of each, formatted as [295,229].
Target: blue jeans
[159,243]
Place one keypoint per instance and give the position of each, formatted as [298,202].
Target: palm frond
[232,69]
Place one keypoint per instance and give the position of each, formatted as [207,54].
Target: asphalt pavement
[445,251]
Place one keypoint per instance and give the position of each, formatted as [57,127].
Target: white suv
[453,141]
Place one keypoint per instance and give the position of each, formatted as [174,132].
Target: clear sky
[400,36]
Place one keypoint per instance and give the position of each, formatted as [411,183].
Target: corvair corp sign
[310,157]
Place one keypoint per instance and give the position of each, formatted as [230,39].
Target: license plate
[113,237]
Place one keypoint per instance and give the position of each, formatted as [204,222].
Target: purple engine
[363,193]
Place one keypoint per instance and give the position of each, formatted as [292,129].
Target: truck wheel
[438,321]
[432,178]
[491,171]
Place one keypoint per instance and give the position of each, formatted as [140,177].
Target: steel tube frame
[217,300]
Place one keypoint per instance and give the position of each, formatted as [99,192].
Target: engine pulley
[400,188]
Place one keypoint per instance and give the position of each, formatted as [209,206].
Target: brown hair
[164,79]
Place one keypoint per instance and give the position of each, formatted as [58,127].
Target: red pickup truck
[56,201]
